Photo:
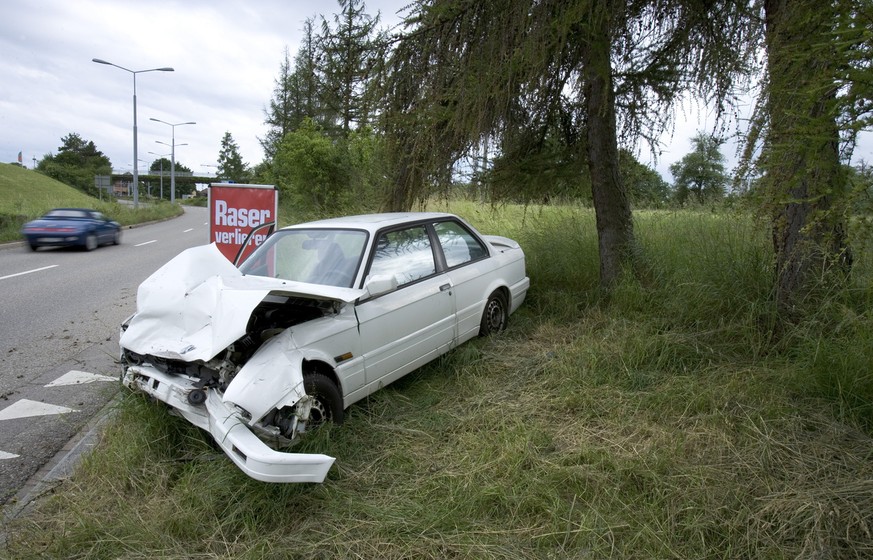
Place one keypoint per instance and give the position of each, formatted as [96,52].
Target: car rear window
[458,245]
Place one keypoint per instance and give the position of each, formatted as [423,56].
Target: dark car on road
[71,227]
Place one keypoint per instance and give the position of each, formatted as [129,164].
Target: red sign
[241,217]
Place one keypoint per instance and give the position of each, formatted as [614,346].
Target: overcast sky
[226,55]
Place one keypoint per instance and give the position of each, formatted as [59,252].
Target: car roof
[373,222]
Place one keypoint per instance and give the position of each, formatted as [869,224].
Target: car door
[470,271]
[409,326]
[102,227]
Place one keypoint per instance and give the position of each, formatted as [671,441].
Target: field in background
[666,421]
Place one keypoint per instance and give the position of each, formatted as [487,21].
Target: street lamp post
[148,185]
[134,72]
[172,154]
[172,167]
[162,156]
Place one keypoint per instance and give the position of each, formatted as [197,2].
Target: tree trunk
[803,171]
[611,206]
[407,179]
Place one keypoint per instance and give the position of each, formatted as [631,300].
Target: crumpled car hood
[198,303]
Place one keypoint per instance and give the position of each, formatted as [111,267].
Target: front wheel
[327,405]
[496,314]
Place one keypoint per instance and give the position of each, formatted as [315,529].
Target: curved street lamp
[135,166]
[211,165]
[162,156]
[172,167]
[172,154]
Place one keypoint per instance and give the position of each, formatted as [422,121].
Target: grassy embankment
[665,423]
[26,194]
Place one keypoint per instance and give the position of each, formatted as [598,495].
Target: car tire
[116,237]
[329,402]
[90,242]
[496,314]
[33,246]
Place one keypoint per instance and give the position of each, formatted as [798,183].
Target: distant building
[121,187]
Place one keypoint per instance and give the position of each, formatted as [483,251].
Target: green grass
[662,423]
[26,194]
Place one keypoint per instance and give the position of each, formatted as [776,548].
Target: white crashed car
[320,316]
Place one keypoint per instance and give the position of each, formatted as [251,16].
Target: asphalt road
[60,311]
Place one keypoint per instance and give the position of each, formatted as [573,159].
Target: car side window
[459,246]
[405,254]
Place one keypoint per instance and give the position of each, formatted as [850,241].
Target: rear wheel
[90,242]
[496,314]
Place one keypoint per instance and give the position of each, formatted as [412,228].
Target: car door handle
[445,287]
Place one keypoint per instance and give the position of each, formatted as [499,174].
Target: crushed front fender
[258,389]
[224,422]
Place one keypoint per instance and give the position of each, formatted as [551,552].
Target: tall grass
[660,423]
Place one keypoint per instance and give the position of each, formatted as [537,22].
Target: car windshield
[317,256]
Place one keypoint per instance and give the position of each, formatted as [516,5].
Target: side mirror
[380,284]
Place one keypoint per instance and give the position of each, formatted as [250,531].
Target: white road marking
[146,243]
[74,377]
[4,455]
[26,408]
[187,230]
[27,272]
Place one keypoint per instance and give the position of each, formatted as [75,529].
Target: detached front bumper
[222,421]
